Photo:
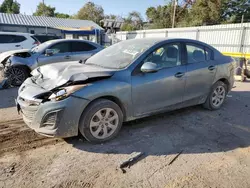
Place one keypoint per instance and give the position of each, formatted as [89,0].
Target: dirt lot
[215,145]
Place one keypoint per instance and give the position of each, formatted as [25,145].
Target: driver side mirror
[149,67]
[49,52]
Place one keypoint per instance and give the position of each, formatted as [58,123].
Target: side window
[82,47]
[7,38]
[166,56]
[195,54]
[19,39]
[2,39]
[62,47]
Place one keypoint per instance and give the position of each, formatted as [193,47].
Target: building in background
[112,25]
[65,28]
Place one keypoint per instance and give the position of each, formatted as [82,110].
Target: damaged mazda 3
[128,80]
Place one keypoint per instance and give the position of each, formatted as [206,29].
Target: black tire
[88,115]
[16,75]
[209,102]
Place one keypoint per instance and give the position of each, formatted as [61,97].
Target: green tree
[10,6]
[204,12]
[111,16]
[91,11]
[233,10]
[44,10]
[62,15]
[134,21]
[160,16]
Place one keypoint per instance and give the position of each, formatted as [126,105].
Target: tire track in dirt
[15,136]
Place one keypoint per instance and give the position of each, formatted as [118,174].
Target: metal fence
[226,38]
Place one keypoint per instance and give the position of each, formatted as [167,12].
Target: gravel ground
[215,148]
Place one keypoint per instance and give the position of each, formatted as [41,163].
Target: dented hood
[4,55]
[55,75]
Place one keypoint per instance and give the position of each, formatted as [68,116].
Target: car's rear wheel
[101,121]
[16,75]
[217,96]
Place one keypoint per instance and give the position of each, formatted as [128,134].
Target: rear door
[201,69]
[10,42]
[20,42]
[82,50]
[62,53]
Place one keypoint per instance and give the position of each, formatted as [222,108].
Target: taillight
[36,43]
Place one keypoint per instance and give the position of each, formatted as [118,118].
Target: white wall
[226,38]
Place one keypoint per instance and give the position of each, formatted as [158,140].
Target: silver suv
[19,65]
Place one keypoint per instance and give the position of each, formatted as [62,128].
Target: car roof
[54,41]
[162,39]
[16,33]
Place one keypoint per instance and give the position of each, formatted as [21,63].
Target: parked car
[129,80]
[19,65]
[14,41]
[46,37]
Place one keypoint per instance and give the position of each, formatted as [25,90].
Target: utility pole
[242,19]
[43,8]
[175,2]
[44,16]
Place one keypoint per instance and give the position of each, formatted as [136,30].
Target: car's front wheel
[217,96]
[16,75]
[101,121]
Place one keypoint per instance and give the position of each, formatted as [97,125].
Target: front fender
[109,88]
[15,60]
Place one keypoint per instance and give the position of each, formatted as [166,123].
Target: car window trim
[137,69]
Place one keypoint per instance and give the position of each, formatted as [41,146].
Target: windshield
[40,48]
[120,55]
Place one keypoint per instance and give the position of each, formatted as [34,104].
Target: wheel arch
[114,99]
[225,81]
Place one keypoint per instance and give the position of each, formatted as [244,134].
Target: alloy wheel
[104,123]
[218,96]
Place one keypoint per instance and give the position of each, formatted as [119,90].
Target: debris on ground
[131,161]
[171,162]
[11,169]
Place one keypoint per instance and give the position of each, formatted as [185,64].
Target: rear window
[11,38]
[19,39]
[82,47]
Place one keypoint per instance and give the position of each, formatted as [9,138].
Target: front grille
[28,115]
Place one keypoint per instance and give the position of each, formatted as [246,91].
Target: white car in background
[15,41]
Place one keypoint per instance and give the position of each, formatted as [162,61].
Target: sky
[117,7]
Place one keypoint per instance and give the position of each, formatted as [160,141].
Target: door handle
[17,45]
[211,68]
[67,57]
[179,74]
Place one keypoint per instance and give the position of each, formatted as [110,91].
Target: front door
[61,53]
[153,92]
[200,73]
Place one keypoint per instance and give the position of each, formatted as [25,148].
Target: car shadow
[7,97]
[190,130]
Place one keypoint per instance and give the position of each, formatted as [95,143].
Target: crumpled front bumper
[55,119]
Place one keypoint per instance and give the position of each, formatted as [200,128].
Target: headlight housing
[65,92]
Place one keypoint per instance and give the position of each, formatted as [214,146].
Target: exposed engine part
[22,54]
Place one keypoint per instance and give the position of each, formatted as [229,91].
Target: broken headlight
[65,92]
